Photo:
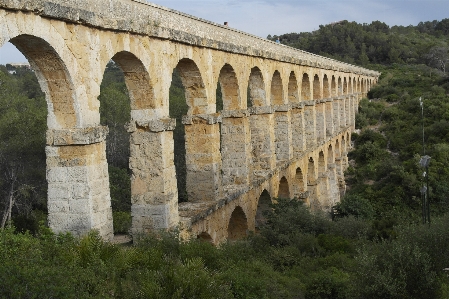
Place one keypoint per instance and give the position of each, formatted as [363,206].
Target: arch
[343,145]
[137,80]
[205,237]
[305,87]
[354,85]
[340,86]
[337,149]
[263,205]
[299,180]
[349,85]
[326,88]
[238,225]
[293,92]
[316,88]
[330,155]
[54,80]
[256,86]
[277,91]
[321,163]
[334,91]
[345,86]
[229,88]
[284,190]
[311,176]
[195,91]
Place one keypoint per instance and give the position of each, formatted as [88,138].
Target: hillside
[375,246]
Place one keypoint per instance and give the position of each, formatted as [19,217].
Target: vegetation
[374,247]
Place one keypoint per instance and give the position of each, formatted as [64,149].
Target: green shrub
[121,222]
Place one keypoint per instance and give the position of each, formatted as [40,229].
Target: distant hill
[376,43]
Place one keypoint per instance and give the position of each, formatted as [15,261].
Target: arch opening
[321,163]
[337,149]
[115,112]
[330,155]
[194,88]
[137,80]
[256,87]
[205,237]
[340,87]
[326,87]
[238,225]
[345,86]
[53,78]
[31,101]
[263,205]
[333,87]
[277,92]
[316,88]
[293,95]
[228,93]
[284,191]
[177,109]
[311,177]
[305,87]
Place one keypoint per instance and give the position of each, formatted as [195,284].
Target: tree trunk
[8,210]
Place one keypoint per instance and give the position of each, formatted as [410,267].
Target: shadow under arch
[137,80]
[195,90]
[205,237]
[277,89]
[305,88]
[333,87]
[263,205]
[238,225]
[293,92]
[321,164]
[230,91]
[316,88]
[326,88]
[284,190]
[54,80]
[311,176]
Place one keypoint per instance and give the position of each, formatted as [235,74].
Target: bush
[121,222]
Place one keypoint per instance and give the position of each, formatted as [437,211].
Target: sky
[276,17]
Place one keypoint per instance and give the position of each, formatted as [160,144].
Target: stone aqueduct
[291,142]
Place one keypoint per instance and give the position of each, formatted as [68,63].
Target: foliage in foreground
[296,255]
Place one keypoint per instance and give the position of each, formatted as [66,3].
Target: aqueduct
[290,140]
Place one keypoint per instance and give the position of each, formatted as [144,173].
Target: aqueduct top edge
[141,17]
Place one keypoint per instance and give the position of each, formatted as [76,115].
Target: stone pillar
[262,140]
[324,194]
[347,111]
[342,112]
[78,181]
[313,194]
[334,190]
[235,148]
[283,133]
[352,107]
[310,124]
[320,121]
[329,112]
[203,158]
[154,195]
[298,132]
[336,114]
[340,177]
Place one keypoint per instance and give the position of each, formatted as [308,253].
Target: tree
[438,57]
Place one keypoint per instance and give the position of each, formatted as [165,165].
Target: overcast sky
[263,17]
